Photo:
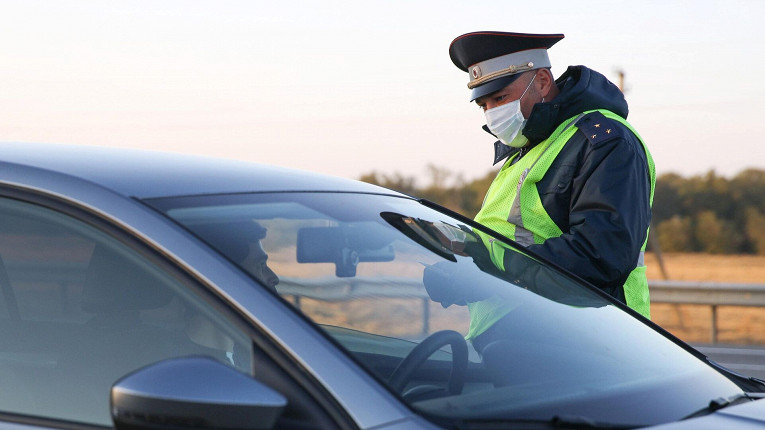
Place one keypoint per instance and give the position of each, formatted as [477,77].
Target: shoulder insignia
[598,128]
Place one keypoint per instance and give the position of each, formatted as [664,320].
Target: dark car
[151,290]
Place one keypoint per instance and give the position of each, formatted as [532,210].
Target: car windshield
[424,302]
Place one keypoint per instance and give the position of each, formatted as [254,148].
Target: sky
[350,87]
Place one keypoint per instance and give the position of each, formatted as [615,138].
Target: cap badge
[478,78]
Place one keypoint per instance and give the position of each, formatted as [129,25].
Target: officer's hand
[455,284]
[440,284]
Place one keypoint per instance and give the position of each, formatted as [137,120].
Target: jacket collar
[581,89]
[501,151]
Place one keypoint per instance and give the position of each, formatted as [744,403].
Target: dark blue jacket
[597,191]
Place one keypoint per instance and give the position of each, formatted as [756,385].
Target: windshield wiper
[572,422]
[720,403]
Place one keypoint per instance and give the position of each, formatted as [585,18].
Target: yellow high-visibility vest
[513,208]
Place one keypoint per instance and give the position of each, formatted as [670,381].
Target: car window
[80,309]
[457,322]
[335,289]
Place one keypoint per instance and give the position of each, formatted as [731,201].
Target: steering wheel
[417,356]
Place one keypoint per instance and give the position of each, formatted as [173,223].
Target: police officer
[577,181]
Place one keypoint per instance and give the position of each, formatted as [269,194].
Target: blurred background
[350,87]
[366,89]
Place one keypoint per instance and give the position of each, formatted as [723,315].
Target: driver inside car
[241,242]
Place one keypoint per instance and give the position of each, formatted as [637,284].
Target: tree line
[705,213]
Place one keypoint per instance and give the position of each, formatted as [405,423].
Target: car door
[83,303]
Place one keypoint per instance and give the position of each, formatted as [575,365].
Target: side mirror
[193,393]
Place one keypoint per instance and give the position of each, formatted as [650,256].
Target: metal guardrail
[679,292]
[707,293]
[712,294]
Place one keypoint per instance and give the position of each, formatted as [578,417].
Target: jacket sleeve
[609,211]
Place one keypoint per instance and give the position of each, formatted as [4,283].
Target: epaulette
[598,128]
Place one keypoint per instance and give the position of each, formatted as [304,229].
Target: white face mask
[507,121]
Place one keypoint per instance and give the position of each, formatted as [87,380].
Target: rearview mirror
[346,246]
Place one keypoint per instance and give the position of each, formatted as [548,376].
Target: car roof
[150,174]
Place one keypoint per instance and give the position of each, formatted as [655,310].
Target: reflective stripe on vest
[527,222]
